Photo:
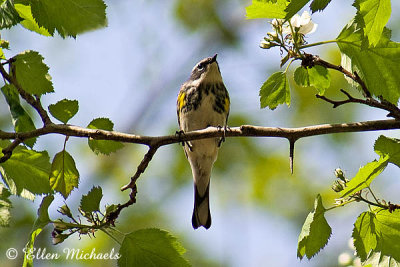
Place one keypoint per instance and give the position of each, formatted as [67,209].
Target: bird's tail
[201,212]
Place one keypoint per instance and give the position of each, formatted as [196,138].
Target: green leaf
[69,17]
[32,74]
[91,201]
[365,176]
[42,220]
[319,78]
[64,109]
[5,206]
[64,176]
[260,9]
[375,15]
[319,5]
[388,147]
[103,146]
[377,66]
[8,15]
[28,22]
[377,237]
[315,232]
[301,77]
[20,118]
[294,7]
[275,91]
[151,247]
[26,173]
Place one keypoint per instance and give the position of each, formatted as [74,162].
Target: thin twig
[392,109]
[132,184]
[7,152]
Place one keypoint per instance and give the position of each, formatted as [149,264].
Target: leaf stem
[317,43]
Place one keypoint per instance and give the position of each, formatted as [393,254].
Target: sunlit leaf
[69,17]
[64,176]
[315,232]
[365,176]
[377,236]
[377,66]
[260,9]
[275,91]
[28,22]
[26,173]
[375,15]
[103,146]
[64,109]
[32,74]
[151,247]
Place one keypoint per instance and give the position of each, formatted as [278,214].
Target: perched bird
[203,101]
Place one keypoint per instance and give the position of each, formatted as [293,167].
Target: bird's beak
[214,58]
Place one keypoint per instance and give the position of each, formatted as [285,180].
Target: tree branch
[242,131]
[155,142]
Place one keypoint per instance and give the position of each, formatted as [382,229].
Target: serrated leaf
[301,77]
[377,66]
[41,221]
[365,176]
[140,247]
[375,15]
[319,78]
[319,5]
[103,146]
[91,201]
[28,22]
[377,232]
[260,9]
[20,118]
[8,15]
[32,74]
[69,17]
[5,206]
[388,147]
[377,259]
[26,173]
[275,91]
[315,232]
[64,109]
[294,7]
[64,176]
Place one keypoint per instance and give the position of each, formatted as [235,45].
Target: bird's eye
[200,66]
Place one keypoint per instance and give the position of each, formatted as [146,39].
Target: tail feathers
[201,212]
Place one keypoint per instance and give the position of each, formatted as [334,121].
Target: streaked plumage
[203,101]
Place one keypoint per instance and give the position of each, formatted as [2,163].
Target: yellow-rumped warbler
[203,101]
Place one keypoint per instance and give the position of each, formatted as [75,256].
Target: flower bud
[338,186]
[59,225]
[340,174]
[265,44]
[64,210]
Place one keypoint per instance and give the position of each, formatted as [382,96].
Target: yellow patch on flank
[226,105]
[181,100]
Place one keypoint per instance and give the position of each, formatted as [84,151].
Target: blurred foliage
[207,16]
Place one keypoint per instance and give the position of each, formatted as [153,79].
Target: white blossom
[304,23]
